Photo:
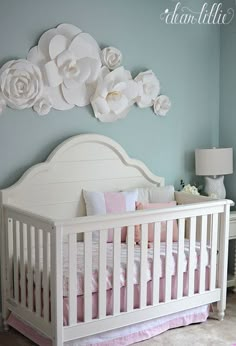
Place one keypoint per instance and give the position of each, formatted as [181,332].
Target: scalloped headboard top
[92,162]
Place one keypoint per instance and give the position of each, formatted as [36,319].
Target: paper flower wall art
[67,68]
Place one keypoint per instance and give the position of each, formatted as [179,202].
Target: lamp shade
[216,161]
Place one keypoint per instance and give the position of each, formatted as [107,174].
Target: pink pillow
[140,206]
[102,203]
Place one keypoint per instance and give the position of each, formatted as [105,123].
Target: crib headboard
[89,161]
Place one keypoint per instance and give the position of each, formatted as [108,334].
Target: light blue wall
[228,96]
[185,58]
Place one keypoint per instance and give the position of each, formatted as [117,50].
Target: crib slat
[180,260]
[168,269]
[156,264]
[192,256]
[9,253]
[214,233]
[143,266]
[102,274]
[203,242]
[88,276]
[130,268]
[37,271]
[16,258]
[45,276]
[29,267]
[22,265]
[116,271]
[72,279]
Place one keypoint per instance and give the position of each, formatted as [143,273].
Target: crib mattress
[123,264]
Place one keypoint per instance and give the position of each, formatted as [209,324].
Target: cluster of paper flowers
[191,189]
[68,69]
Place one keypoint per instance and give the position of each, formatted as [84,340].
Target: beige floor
[210,333]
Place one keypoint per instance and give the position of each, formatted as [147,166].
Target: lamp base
[214,187]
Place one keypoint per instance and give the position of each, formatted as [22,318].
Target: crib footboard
[207,221]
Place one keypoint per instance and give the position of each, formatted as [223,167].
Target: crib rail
[28,243]
[34,267]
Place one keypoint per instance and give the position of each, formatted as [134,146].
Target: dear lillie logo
[207,14]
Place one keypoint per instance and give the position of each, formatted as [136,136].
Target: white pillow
[102,203]
[154,194]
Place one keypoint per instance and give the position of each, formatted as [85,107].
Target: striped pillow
[102,203]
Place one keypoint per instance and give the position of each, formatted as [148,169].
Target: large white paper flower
[70,61]
[43,105]
[111,57]
[2,103]
[114,95]
[162,105]
[148,88]
[20,83]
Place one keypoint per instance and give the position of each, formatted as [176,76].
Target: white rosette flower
[114,95]
[111,57]
[20,83]
[191,189]
[70,61]
[43,105]
[2,103]
[162,105]
[148,88]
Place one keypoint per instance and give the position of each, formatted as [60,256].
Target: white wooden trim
[130,269]
[102,274]
[143,266]
[191,264]
[156,264]
[116,271]
[87,277]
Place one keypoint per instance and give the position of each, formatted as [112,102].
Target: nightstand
[232,236]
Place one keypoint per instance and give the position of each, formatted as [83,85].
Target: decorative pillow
[140,206]
[156,194]
[102,203]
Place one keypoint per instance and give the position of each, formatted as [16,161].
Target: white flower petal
[68,30]
[81,48]
[57,99]
[79,96]
[53,76]
[100,106]
[118,104]
[44,41]
[36,57]
[57,45]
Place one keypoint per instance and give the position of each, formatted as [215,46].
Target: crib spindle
[30,265]
[214,233]
[88,276]
[102,274]
[16,259]
[72,279]
[37,270]
[116,271]
[192,256]
[130,268]
[45,276]
[156,264]
[180,259]
[203,243]
[168,269]
[9,254]
[143,266]
[22,264]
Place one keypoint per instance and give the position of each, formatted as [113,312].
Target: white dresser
[232,237]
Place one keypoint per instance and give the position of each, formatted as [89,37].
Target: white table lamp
[214,164]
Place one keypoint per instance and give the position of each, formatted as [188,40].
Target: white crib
[44,212]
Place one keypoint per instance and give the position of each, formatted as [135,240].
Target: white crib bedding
[123,261]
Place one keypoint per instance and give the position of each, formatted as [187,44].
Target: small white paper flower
[71,63]
[111,57]
[162,105]
[2,103]
[43,105]
[20,83]
[114,95]
[148,88]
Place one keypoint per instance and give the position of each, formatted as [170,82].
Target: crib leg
[5,325]
[221,310]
